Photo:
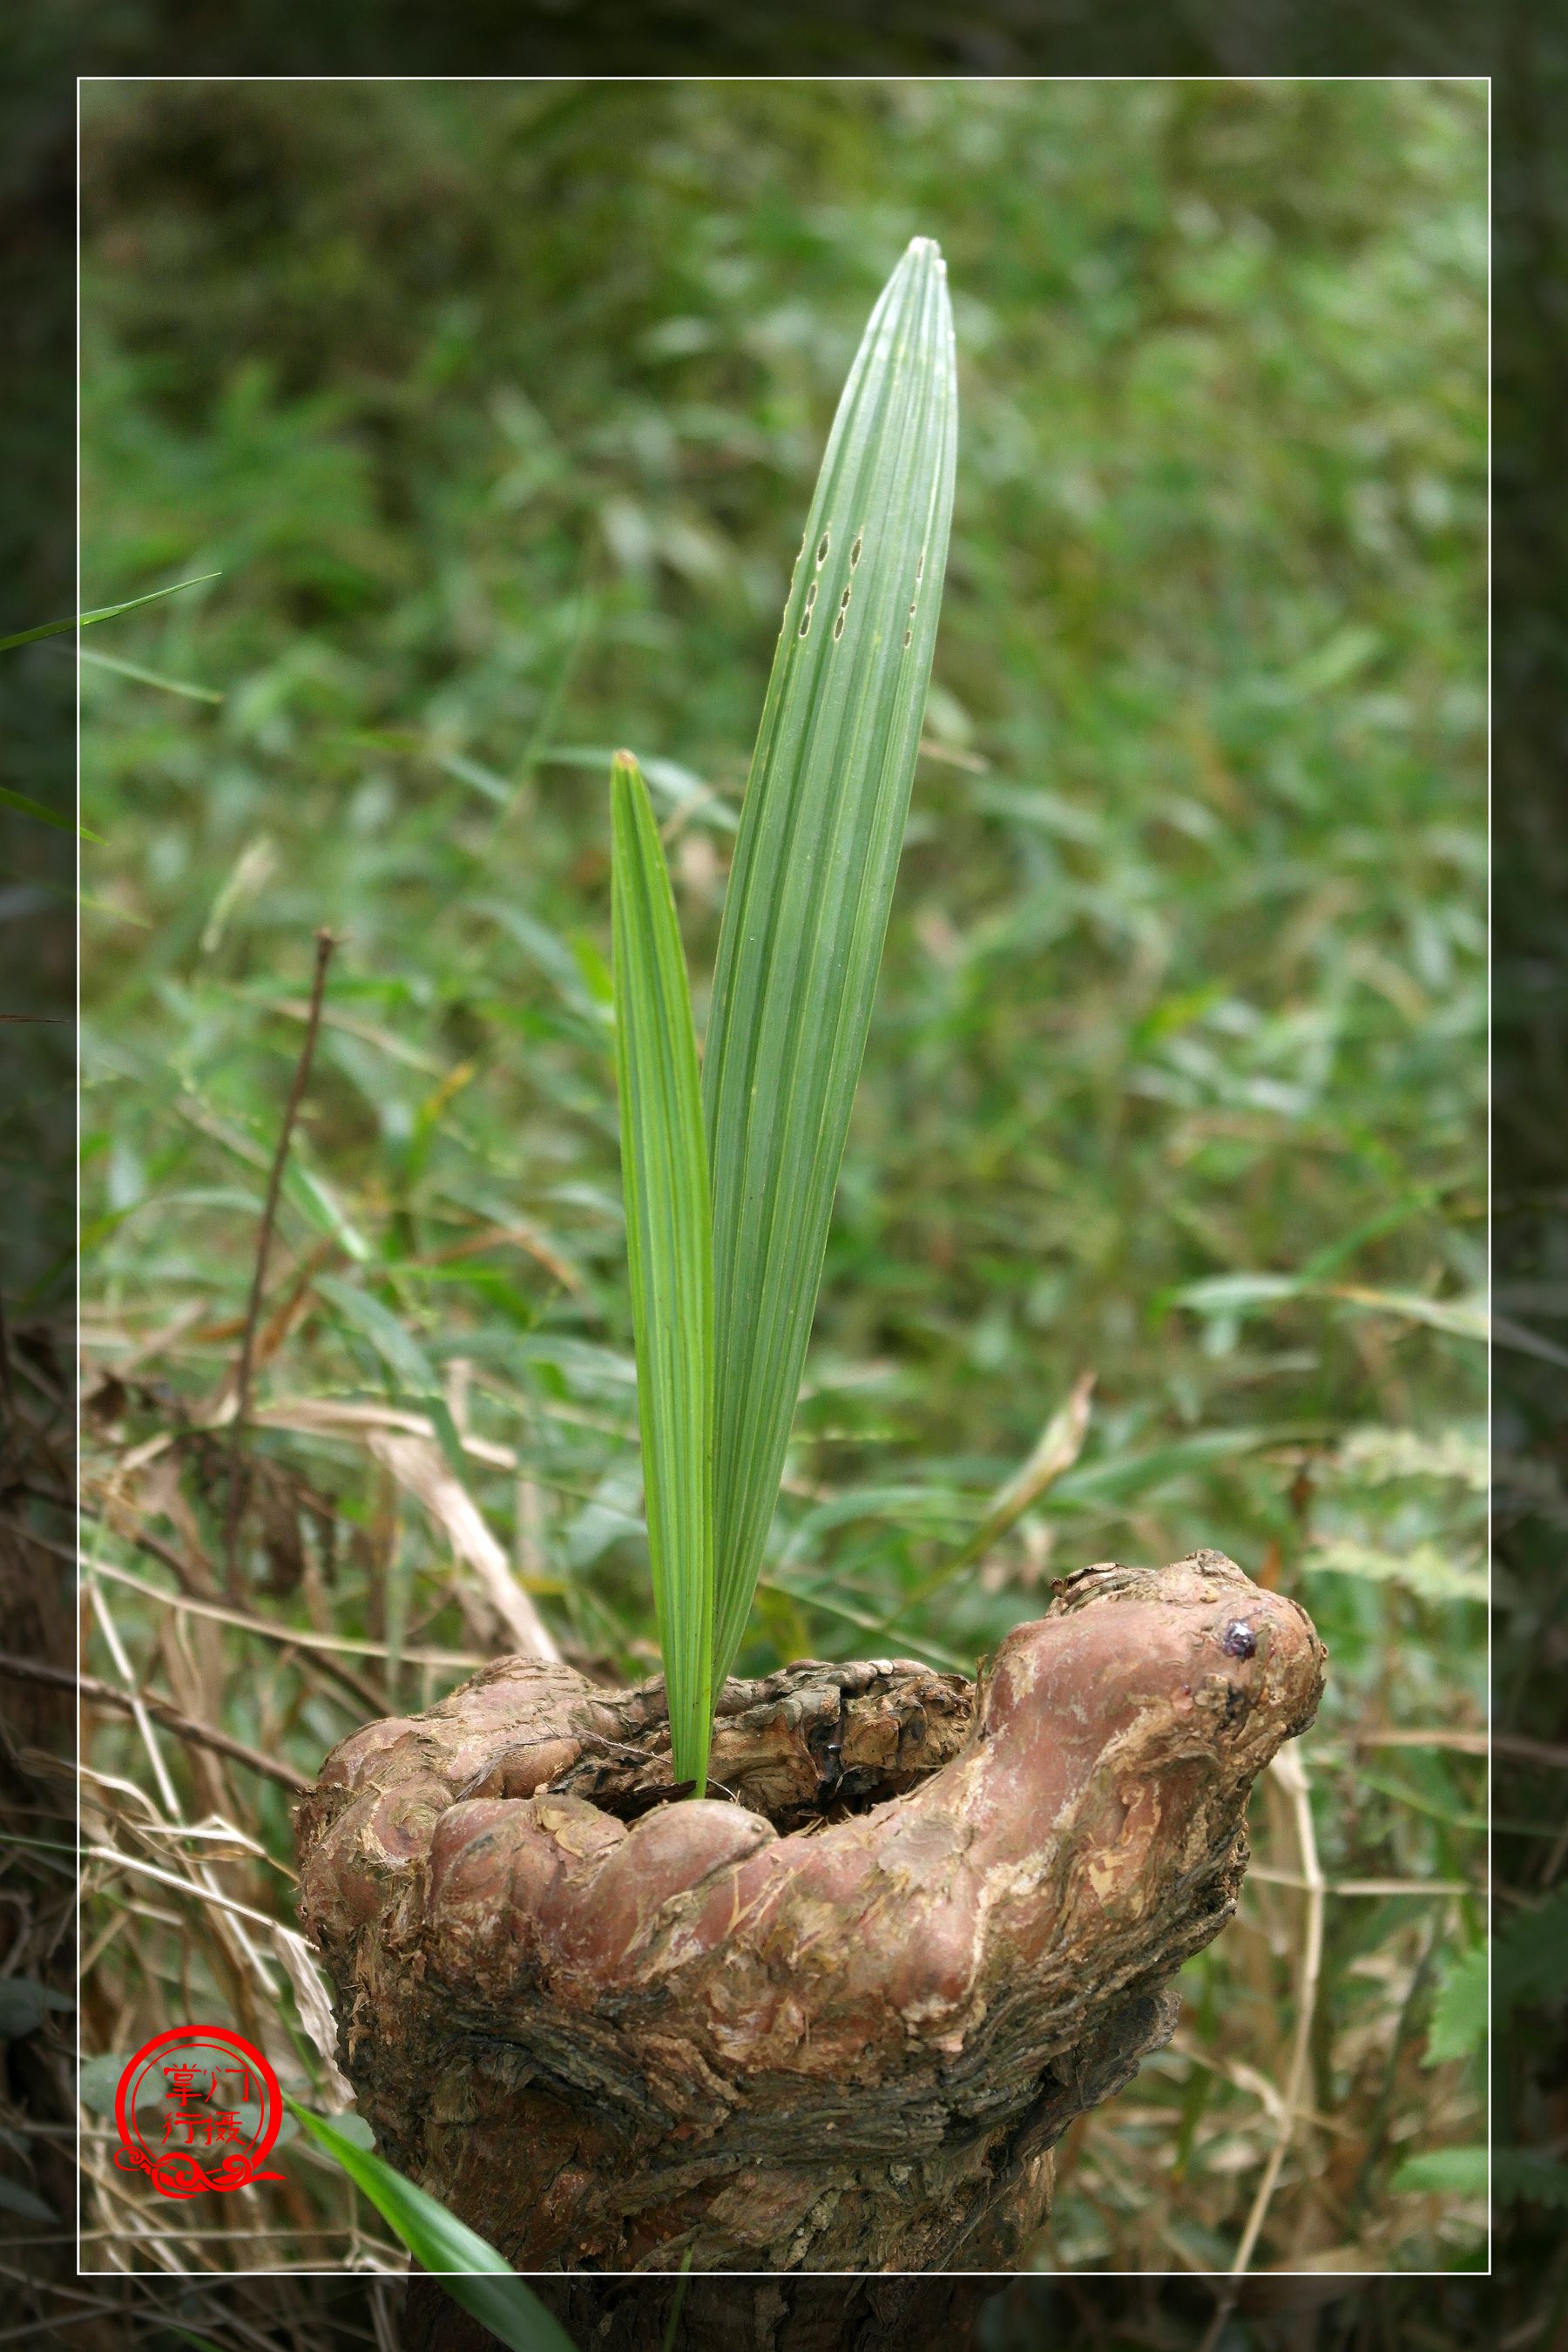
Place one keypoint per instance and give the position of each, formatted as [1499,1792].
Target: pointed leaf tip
[806,907]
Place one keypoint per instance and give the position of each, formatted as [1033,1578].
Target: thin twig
[1531,1751]
[325,943]
[201,1735]
[1290,1771]
[1424,1887]
[57,2319]
[1464,1743]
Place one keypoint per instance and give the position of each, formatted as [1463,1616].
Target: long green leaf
[664,1167]
[477,2277]
[806,909]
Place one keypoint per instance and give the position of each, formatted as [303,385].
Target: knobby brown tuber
[834,2016]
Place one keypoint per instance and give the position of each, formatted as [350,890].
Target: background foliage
[497,410]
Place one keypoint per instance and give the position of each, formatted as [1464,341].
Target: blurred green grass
[497,409]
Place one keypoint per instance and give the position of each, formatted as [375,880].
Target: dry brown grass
[1235,2148]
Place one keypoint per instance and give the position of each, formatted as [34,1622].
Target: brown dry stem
[835,2017]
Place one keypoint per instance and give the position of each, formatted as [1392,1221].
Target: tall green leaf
[664,1174]
[806,909]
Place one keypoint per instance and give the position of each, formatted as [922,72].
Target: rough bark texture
[609,2030]
[774,2314]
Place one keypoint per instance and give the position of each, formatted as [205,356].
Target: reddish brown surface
[850,2046]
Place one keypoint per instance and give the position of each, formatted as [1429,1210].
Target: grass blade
[150,676]
[664,1164]
[413,1376]
[806,909]
[478,2279]
[1053,1454]
[20,801]
[102,613]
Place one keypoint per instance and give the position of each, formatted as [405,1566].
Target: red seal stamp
[197,2107]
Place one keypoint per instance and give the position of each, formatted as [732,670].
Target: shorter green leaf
[669,1252]
[687,796]
[482,2282]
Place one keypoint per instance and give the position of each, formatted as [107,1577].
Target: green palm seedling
[727,1212]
